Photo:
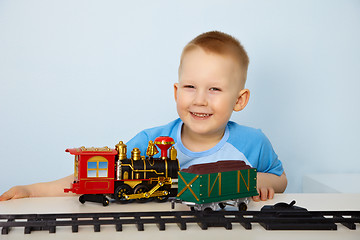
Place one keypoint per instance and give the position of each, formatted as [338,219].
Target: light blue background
[91,73]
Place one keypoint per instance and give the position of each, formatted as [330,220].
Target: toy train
[104,172]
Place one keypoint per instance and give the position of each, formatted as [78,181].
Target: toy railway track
[270,220]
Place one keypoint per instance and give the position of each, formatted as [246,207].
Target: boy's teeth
[201,114]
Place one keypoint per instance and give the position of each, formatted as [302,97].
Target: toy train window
[97,167]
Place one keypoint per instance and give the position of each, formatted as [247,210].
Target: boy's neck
[198,142]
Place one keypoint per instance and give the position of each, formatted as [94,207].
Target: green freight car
[215,185]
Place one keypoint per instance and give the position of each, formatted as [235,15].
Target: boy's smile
[201,115]
[208,92]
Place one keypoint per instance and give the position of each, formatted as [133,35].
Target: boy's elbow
[283,183]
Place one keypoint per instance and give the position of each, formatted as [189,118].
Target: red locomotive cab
[94,170]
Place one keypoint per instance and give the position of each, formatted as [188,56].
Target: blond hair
[219,43]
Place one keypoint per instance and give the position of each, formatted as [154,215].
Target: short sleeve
[268,161]
[256,147]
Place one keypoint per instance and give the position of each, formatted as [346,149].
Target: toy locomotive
[103,172]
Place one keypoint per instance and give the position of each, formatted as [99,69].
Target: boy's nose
[200,99]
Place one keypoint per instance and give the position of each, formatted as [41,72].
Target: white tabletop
[313,202]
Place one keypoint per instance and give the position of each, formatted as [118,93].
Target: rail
[270,220]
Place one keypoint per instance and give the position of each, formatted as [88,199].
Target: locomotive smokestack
[164,143]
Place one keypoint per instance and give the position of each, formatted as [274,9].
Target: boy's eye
[189,86]
[215,89]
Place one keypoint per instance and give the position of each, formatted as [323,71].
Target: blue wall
[91,73]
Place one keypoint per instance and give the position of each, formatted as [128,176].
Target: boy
[212,75]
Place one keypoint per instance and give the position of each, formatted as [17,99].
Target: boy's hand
[265,193]
[15,192]
[268,184]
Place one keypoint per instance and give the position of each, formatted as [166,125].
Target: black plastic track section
[289,220]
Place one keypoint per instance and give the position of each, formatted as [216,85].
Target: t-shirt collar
[210,151]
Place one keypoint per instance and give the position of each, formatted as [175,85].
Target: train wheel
[81,199]
[121,191]
[162,198]
[105,201]
[166,197]
[242,206]
[222,205]
[141,189]
[208,209]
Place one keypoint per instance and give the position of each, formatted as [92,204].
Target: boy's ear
[242,100]
[176,85]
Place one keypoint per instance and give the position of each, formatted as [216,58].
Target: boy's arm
[45,189]
[268,184]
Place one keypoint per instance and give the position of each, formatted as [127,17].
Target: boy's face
[208,91]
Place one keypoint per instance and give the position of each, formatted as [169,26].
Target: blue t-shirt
[238,143]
